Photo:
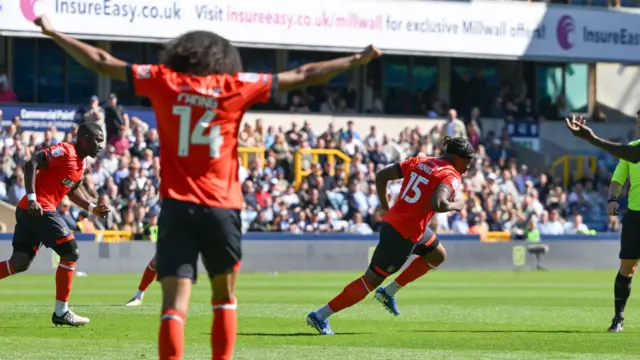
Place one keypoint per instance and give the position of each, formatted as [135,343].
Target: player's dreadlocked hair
[89,128]
[201,53]
[457,146]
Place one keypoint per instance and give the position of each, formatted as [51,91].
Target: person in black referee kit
[628,168]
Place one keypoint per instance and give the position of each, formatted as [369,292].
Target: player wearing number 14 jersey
[428,187]
[199,94]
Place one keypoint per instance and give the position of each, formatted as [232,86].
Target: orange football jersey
[198,121]
[412,211]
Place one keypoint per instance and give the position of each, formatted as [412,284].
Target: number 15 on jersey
[186,137]
[412,192]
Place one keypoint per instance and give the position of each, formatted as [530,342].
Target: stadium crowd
[502,195]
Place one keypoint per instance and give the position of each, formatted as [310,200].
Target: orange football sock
[148,277]
[415,270]
[351,295]
[171,338]
[64,278]
[223,329]
[6,269]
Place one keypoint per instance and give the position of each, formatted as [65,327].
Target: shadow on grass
[297,334]
[508,331]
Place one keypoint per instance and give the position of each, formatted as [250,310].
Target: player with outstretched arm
[429,186]
[199,94]
[628,168]
[49,176]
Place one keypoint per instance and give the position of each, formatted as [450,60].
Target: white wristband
[32,197]
[91,207]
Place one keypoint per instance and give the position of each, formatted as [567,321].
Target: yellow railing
[498,236]
[315,153]
[113,236]
[565,162]
[246,151]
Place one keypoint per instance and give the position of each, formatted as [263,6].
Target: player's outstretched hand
[369,53]
[101,210]
[34,208]
[44,24]
[578,127]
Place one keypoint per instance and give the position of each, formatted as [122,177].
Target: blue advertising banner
[41,117]
[525,133]
[523,129]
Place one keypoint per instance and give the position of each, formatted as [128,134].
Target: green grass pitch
[445,315]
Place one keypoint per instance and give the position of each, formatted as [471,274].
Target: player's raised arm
[578,127]
[390,173]
[323,71]
[441,203]
[88,56]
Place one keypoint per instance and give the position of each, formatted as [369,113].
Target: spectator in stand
[121,142]
[454,127]
[17,190]
[550,223]
[358,226]
[351,132]
[115,116]
[298,105]
[94,113]
[6,95]
[576,226]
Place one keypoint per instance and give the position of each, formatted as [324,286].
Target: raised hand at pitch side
[101,211]
[578,127]
[44,24]
[34,208]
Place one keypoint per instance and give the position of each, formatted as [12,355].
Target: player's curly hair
[201,53]
[457,146]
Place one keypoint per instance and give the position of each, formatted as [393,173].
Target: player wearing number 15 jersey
[428,186]
[199,94]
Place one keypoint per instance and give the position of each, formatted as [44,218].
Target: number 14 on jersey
[186,137]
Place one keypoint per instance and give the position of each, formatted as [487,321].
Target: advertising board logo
[566,27]
[28,9]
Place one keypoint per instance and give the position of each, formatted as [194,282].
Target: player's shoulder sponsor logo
[249,77]
[455,183]
[143,72]
[68,182]
[57,152]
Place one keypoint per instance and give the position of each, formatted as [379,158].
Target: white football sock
[392,288]
[324,312]
[61,307]
[139,294]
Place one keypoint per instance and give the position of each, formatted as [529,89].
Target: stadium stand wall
[7,216]
[362,123]
[282,252]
